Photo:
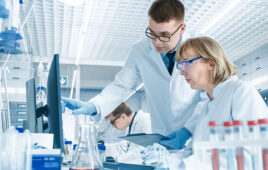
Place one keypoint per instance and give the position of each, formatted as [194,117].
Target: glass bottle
[230,154]
[86,155]
[213,137]
[237,134]
[263,125]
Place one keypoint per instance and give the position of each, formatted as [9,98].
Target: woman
[205,66]
[224,97]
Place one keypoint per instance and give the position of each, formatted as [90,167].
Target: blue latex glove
[177,139]
[79,107]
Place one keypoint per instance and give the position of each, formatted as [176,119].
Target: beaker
[86,156]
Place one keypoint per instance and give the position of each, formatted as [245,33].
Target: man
[151,61]
[121,118]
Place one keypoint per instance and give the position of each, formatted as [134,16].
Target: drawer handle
[257,58]
[21,120]
[258,68]
[243,65]
[244,74]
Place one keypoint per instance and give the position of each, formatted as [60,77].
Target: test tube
[237,132]
[252,135]
[228,136]
[263,124]
[213,136]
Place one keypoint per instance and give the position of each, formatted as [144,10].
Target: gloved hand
[155,155]
[177,139]
[79,107]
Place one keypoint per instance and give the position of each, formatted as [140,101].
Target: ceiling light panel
[114,25]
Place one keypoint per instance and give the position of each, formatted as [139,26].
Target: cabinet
[18,113]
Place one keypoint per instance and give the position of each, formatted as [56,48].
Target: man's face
[166,29]
[119,122]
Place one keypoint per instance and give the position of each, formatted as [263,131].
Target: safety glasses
[117,117]
[186,63]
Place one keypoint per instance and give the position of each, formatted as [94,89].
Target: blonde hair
[210,50]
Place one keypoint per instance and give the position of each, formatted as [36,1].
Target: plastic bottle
[213,136]
[86,155]
[237,131]
[68,152]
[41,97]
[102,150]
[263,124]
[228,136]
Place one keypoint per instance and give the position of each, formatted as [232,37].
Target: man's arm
[125,82]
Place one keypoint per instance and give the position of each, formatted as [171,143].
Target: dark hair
[165,10]
[122,108]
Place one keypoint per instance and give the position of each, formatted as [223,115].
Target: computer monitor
[54,103]
[31,106]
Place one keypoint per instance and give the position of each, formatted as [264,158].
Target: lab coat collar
[221,86]
[156,57]
[159,60]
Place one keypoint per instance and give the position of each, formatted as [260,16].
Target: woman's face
[198,73]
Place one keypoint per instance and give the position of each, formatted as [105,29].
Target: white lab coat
[233,100]
[141,124]
[171,100]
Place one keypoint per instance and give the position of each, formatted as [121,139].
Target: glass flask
[86,155]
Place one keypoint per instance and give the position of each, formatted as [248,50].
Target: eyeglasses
[161,38]
[117,117]
[186,64]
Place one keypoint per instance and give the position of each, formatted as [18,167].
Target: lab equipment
[102,149]
[68,152]
[9,32]
[263,129]
[230,155]
[4,12]
[41,97]
[79,107]
[155,155]
[177,139]
[15,150]
[253,135]
[213,136]
[143,139]
[237,132]
[86,155]
[31,106]
[243,153]
[54,103]
[53,108]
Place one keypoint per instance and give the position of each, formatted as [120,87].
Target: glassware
[86,156]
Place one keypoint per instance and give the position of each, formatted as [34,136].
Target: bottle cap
[252,123]
[42,88]
[227,124]
[102,147]
[74,146]
[237,122]
[263,121]
[212,123]
[68,142]
[19,129]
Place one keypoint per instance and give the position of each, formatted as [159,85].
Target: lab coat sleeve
[125,83]
[247,104]
[191,123]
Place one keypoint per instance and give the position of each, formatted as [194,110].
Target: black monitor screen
[54,103]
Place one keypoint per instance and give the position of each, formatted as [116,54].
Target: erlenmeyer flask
[86,156]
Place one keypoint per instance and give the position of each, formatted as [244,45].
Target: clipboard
[143,139]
